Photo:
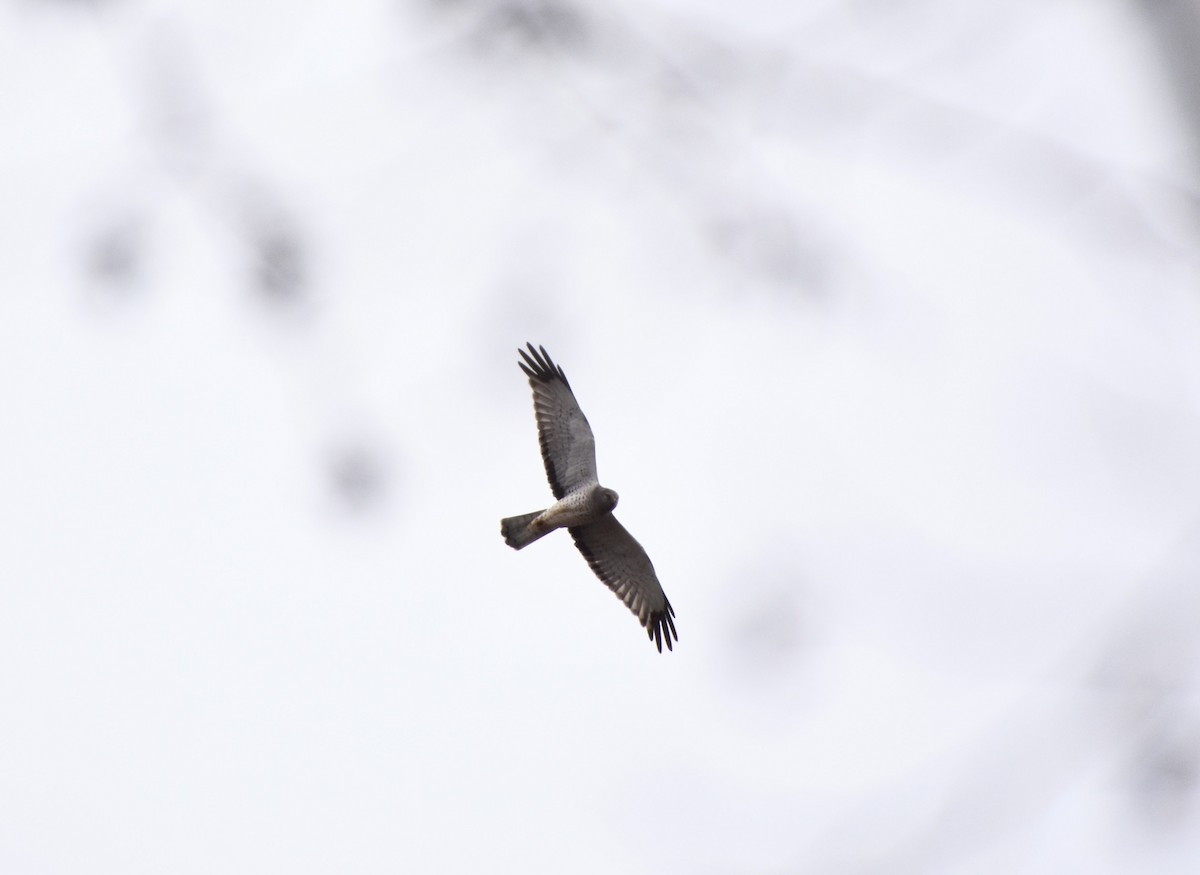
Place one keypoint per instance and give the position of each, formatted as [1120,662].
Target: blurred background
[885,315]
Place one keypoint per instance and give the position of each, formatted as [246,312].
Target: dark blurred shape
[766,243]
[277,252]
[176,113]
[536,25]
[1147,674]
[1166,772]
[515,27]
[1175,24]
[359,477]
[279,268]
[112,259]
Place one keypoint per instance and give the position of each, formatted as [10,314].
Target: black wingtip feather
[662,627]
[539,366]
[657,623]
[540,369]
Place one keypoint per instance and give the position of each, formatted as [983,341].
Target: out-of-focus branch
[1175,26]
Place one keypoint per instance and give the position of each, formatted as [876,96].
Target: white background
[884,315]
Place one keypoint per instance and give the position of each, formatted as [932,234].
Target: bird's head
[608,499]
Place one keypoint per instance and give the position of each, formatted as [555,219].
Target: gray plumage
[583,506]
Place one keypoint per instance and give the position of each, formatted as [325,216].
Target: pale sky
[884,316]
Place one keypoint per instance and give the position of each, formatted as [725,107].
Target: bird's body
[583,506]
[576,508]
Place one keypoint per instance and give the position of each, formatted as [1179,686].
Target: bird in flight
[584,507]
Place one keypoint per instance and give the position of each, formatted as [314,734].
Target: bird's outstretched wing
[568,448]
[619,560]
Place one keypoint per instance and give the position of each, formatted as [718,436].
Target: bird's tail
[516,530]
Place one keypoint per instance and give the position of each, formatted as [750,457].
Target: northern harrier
[584,507]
